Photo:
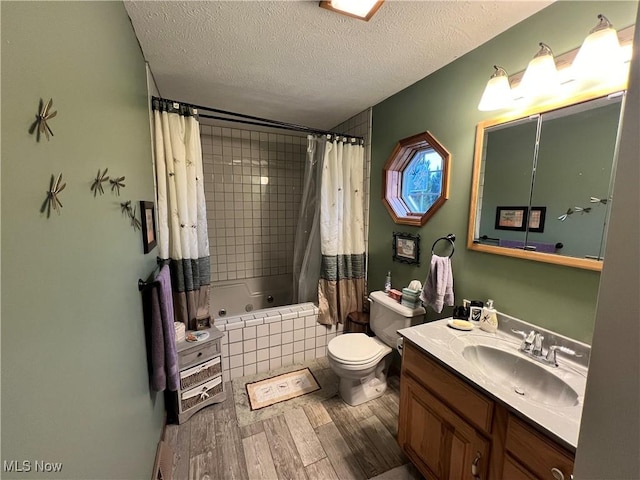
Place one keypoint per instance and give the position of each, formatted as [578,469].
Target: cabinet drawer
[536,453]
[200,394]
[194,356]
[200,373]
[470,403]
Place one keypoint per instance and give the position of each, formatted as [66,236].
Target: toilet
[361,362]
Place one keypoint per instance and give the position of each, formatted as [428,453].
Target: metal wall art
[117,184]
[130,212]
[52,200]
[96,186]
[43,115]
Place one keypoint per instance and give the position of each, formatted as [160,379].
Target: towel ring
[451,238]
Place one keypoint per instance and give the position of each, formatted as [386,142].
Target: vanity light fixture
[600,58]
[362,9]
[540,81]
[497,94]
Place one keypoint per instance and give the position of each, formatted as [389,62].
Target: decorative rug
[321,371]
[281,388]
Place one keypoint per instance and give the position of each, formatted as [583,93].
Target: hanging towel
[438,287]
[164,357]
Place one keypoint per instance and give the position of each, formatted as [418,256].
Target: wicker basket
[196,396]
[200,373]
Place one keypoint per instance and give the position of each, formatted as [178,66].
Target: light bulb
[600,58]
[497,94]
[540,81]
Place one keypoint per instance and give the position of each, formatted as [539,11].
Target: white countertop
[443,343]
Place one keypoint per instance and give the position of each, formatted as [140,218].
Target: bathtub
[239,297]
[262,330]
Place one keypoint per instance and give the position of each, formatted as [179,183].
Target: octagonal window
[422,181]
[416,179]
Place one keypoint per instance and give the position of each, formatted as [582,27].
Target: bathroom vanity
[461,420]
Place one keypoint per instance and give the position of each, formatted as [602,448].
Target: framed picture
[511,218]
[148,217]
[536,219]
[517,218]
[406,248]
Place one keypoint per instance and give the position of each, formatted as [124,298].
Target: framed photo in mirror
[511,218]
[536,219]
[517,218]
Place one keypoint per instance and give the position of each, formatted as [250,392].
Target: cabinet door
[437,440]
[538,454]
[514,471]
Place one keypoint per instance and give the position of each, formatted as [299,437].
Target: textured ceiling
[295,62]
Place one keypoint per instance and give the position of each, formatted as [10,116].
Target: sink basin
[517,373]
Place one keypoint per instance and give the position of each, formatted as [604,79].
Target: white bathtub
[239,297]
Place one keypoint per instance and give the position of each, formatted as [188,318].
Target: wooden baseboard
[163,463]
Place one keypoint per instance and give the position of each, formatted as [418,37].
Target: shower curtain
[183,239]
[307,254]
[339,230]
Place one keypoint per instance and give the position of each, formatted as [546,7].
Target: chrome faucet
[532,347]
[551,354]
[536,350]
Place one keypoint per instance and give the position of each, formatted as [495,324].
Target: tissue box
[395,294]
[410,294]
[410,298]
[411,304]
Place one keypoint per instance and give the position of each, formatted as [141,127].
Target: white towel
[438,287]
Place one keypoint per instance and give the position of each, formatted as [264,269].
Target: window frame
[400,158]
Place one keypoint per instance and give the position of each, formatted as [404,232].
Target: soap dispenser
[387,283]
[489,318]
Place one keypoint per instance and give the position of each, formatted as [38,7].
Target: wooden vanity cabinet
[438,441]
[445,426]
[533,455]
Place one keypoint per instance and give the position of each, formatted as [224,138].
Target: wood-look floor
[326,440]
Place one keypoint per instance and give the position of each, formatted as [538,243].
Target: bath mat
[321,371]
[280,388]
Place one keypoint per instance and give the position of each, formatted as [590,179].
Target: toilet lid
[354,347]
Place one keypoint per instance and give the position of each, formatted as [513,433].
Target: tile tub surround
[272,338]
[253,189]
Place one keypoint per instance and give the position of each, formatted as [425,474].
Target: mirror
[542,183]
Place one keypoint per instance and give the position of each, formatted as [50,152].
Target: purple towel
[535,246]
[164,357]
[438,288]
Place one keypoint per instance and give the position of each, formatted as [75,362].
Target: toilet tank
[387,316]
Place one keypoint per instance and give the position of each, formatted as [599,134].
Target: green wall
[74,371]
[445,103]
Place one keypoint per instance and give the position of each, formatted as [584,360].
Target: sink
[515,372]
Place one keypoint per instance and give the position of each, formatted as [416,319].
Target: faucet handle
[537,344]
[527,338]
[551,353]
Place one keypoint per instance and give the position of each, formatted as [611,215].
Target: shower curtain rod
[259,121]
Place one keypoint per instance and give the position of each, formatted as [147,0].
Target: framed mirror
[542,183]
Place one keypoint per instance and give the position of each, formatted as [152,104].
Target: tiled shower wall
[253,190]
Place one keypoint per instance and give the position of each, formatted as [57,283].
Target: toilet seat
[356,349]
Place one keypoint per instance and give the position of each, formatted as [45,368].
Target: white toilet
[361,361]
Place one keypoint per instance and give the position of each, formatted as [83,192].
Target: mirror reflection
[544,183]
